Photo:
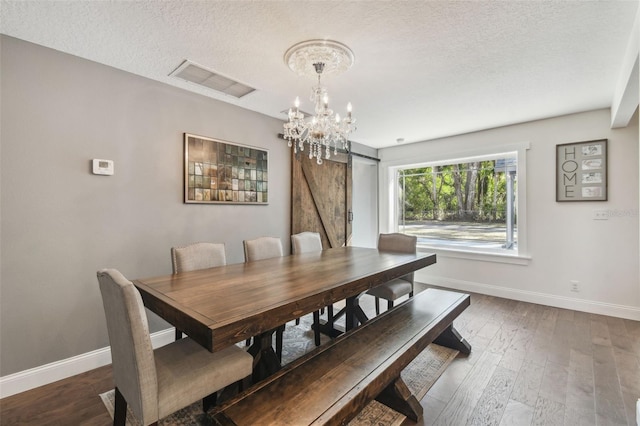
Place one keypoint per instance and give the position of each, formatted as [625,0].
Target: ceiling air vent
[197,74]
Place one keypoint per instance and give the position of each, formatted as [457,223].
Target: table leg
[328,327]
[265,359]
[354,312]
[362,317]
[351,319]
[354,317]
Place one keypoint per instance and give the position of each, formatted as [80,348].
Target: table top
[220,306]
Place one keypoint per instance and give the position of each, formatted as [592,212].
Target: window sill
[497,256]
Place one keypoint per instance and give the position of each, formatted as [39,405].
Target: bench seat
[334,382]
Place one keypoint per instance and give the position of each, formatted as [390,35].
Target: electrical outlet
[574,286]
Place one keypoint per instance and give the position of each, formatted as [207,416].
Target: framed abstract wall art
[581,171]
[221,172]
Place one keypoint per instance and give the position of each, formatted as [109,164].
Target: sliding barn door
[321,198]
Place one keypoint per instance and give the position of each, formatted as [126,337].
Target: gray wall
[564,242]
[60,223]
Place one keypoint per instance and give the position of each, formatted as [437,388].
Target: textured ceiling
[423,69]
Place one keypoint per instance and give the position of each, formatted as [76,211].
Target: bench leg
[398,397]
[450,338]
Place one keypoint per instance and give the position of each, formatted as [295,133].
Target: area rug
[419,376]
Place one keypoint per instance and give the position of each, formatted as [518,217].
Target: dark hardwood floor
[530,365]
[538,365]
[72,401]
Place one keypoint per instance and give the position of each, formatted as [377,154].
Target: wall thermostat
[102,167]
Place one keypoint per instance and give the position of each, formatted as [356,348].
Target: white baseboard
[601,308]
[58,370]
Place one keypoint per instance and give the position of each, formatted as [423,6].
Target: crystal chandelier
[324,129]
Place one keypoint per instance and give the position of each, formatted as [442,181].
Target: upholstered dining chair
[196,256]
[265,248]
[394,289]
[156,383]
[262,248]
[308,242]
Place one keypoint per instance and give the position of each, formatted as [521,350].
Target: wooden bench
[333,383]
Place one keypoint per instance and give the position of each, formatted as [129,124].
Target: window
[467,203]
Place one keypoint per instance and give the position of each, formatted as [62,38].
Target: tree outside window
[468,203]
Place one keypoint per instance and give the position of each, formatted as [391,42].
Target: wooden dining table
[221,306]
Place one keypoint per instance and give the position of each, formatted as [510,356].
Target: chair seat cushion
[391,290]
[188,372]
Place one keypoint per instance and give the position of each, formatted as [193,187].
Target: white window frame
[389,194]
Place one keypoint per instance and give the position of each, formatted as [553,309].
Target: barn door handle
[350,216]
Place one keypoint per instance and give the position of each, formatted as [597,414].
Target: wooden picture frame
[581,171]
[222,172]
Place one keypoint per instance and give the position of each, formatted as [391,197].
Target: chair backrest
[197,256]
[306,242]
[399,243]
[134,369]
[262,248]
